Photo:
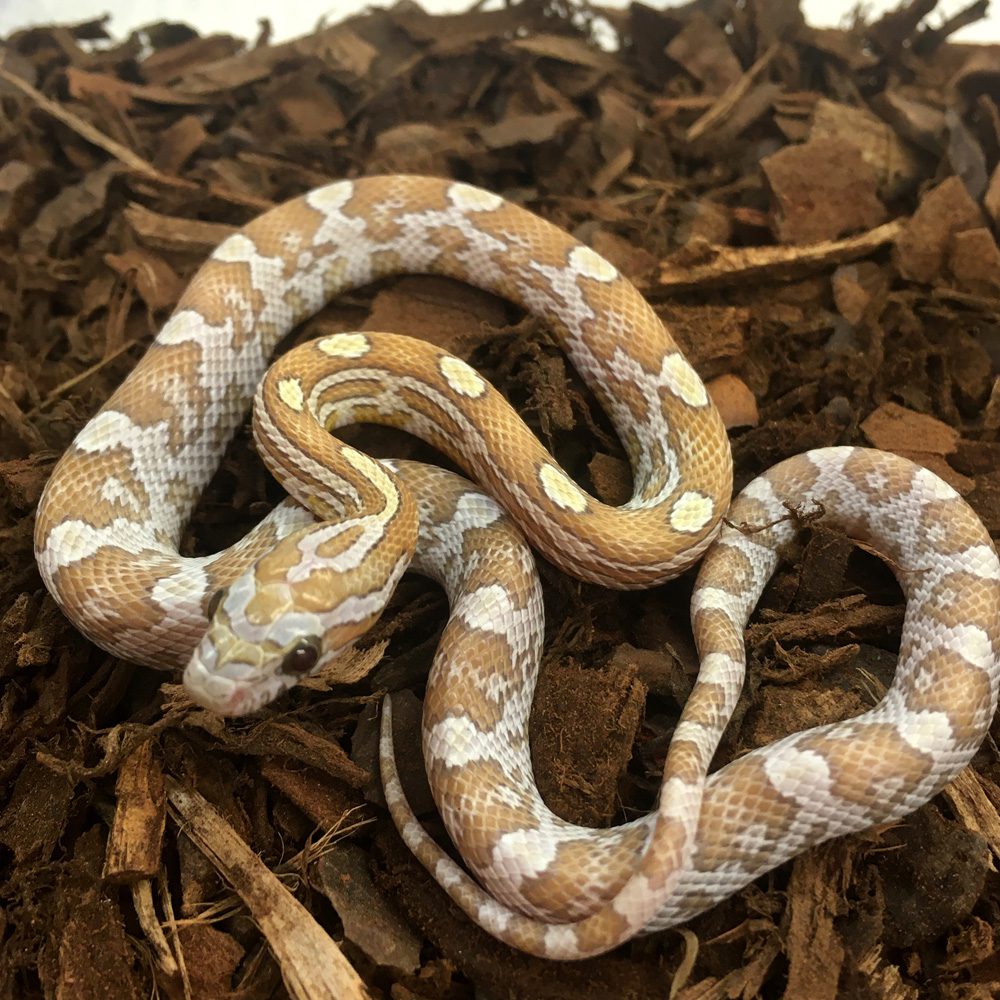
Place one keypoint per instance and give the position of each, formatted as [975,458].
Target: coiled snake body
[250,621]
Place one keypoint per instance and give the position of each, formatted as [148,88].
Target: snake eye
[302,657]
[213,603]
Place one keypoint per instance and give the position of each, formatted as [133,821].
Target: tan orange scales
[248,622]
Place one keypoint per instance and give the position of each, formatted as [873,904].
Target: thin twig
[85,130]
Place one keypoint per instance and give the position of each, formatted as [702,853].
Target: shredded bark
[814,213]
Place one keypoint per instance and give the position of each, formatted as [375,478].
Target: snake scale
[250,621]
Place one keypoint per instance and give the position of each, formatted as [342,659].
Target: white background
[296,17]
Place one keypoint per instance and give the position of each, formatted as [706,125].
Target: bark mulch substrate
[813,213]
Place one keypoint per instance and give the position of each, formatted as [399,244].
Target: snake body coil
[248,622]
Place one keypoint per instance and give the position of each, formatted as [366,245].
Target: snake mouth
[228,697]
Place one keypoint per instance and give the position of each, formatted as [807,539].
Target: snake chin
[233,685]
[228,697]
[233,679]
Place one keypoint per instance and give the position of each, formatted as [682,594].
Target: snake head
[281,621]
[239,667]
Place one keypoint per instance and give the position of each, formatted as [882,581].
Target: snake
[281,603]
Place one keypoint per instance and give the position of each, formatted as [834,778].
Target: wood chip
[734,401]
[734,162]
[136,841]
[923,245]
[895,428]
[312,966]
[370,920]
[713,265]
[822,189]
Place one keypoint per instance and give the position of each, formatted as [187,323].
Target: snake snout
[230,697]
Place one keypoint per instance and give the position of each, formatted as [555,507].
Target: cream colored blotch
[561,490]
[462,378]
[345,345]
[290,393]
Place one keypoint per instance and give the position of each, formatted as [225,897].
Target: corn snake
[110,521]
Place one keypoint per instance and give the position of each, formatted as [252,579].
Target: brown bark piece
[894,163]
[991,200]
[312,965]
[371,921]
[73,212]
[856,287]
[527,129]
[932,876]
[325,801]
[180,142]
[125,162]
[975,262]
[23,481]
[822,189]
[419,147]
[135,845]
[815,950]
[172,233]
[211,958]
[95,957]
[923,124]
[663,671]
[918,437]
[299,743]
[34,818]
[702,48]
[565,48]
[734,401]
[612,479]
[925,242]
[582,727]
[895,428]
[20,183]
[975,799]
[452,315]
